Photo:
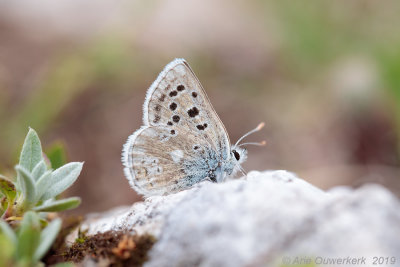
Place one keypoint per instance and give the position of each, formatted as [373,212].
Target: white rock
[267,219]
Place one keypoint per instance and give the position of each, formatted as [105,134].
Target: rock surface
[271,218]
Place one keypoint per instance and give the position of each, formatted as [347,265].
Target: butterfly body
[183,141]
[209,165]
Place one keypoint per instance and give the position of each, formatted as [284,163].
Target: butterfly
[182,141]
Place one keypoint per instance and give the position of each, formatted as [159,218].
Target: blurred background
[323,75]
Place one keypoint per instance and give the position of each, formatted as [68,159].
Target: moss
[54,255]
[118,248]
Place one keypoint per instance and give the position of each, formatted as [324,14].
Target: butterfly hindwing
[158,160]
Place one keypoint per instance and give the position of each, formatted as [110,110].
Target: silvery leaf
[47,237]
[8,232]
[43,184]
[39,170]
[27,184]
[31,153]
[59,205]
[28,236]
[62,178]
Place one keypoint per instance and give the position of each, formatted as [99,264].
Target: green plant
[29,195]
[36,184]
[29,243]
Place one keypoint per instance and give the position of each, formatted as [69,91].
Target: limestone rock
[267,219]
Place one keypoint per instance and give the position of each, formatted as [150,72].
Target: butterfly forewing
[177,100]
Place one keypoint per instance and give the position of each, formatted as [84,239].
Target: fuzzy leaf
[7,188]
[39,170]
[6,251]
[42,185]
[59,205]
[27,184]
[31,153]
[62,178]
[30,220]
[28,237]
[8,232]
[47,237]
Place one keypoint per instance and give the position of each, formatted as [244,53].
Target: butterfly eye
[236,154]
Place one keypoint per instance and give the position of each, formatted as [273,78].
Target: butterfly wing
[181,138]
[156,161]
[176,99]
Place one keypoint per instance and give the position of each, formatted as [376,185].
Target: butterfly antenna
[262,143]
[259,127]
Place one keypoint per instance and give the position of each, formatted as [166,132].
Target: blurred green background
[323,75]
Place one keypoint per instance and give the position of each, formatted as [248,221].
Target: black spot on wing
[194,94]
[173,93]
[202,127]
[173,106]
[156,119]
[193,112]
[176,118]
[180,88]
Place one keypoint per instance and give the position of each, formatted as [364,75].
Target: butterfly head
[239,154]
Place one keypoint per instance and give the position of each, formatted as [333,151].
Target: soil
[111,248]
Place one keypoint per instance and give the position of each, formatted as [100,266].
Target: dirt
[111,248]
